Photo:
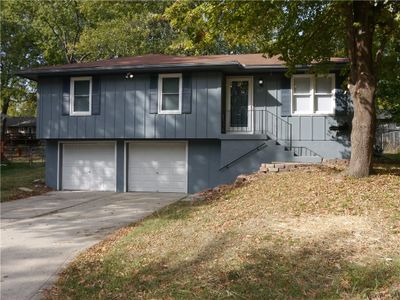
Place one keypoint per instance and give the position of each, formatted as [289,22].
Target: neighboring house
[183,124]
[20,131]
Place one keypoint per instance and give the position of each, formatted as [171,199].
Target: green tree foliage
[388,93]
[34,33]
[200,32]
[312,31]
[41,32]
[17,51]
[124,28]
[48,32]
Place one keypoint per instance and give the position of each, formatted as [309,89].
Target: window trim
[160,87]
[313,95]
[72,96]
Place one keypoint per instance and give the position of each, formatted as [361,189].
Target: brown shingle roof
[159,60]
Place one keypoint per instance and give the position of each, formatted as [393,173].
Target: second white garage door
[157,167]
[89,167]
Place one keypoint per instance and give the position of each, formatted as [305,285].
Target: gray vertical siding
[203,163]
[207,160]
[317,128]
[125,115]
[125,111]
[51,164]
[304,128]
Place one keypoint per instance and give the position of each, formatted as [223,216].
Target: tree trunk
[5,106]
[362,86]
[363,128]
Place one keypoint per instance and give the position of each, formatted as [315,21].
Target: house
[20,130]
[183,124]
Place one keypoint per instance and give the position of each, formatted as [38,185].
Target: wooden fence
[388,137]
[24,153]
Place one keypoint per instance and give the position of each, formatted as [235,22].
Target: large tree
[48,32]
[309,31]
[124,28]
[17,50]
[35,33]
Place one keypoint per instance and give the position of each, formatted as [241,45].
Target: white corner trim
[59,166]
[125,163]
[187,167]
[116,165]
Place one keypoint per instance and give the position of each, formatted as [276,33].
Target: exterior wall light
[260,82]
[129,75]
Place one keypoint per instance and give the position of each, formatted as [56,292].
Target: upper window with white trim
[313,94]
[81,96]
[170,93]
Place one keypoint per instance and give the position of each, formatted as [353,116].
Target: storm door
[239,104]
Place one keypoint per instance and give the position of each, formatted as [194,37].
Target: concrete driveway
[40,235]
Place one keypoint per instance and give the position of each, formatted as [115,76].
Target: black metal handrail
[259,121]
[304,151]
[258,148]
[263,121]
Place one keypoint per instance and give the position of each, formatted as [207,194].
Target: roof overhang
[233,67]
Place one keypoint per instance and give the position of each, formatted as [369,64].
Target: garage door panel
[163,171]
[155,166]
[142,186]
[140,172]
[178,187]
[89,167]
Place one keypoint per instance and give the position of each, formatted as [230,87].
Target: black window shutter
[153,95]
[342,99]
[285,97]
[66,98]
[96,99]
[187,93]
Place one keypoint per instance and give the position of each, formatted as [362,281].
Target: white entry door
[157,167]
[88,167]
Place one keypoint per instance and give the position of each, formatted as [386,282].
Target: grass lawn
[20,174]
[392,157]
[298,235]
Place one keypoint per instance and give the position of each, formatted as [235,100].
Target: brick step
[276,167]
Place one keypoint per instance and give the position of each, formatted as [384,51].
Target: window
[170,93]
[81,96]
[313,94]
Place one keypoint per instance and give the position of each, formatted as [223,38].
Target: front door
[239,104]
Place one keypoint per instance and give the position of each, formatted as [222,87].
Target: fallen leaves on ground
[312,233]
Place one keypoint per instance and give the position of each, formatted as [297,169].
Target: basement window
[81,96]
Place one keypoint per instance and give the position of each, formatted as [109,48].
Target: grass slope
[305,234]
[20,174]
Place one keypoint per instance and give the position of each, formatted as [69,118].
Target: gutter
[34,74]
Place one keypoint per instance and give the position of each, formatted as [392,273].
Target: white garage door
[89,167]
[157,167]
